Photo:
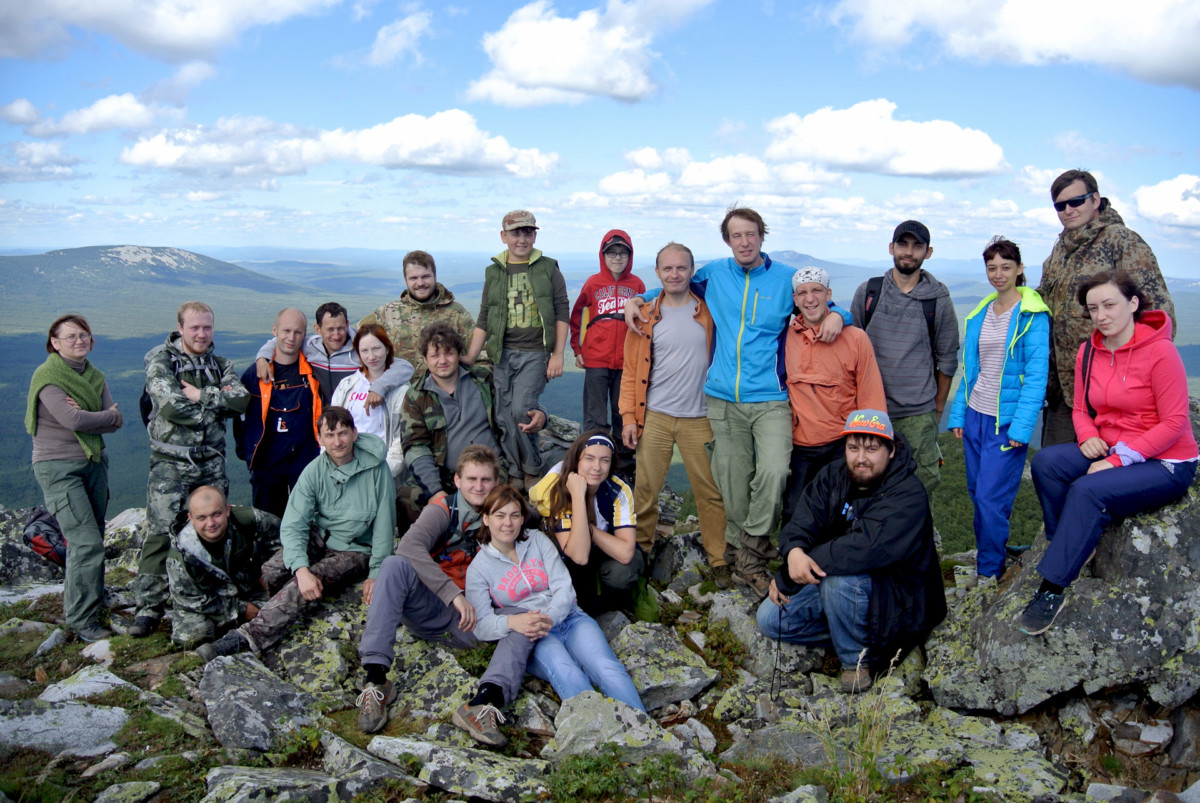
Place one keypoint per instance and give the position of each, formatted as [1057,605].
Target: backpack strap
[929,310]
[1088,355]
[874,288]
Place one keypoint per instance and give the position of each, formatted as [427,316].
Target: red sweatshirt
[1139,392]
[598,317]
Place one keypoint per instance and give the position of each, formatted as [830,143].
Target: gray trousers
[402,599]
[520,378]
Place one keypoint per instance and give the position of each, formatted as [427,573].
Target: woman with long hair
[68,409]
[375,354]
[1135,447]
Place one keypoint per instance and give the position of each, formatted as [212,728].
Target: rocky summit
[1102,707]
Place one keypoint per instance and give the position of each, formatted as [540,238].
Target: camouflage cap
[519,219]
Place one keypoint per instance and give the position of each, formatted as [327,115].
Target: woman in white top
[375,354]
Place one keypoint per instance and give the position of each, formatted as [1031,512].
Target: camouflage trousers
[335,570]
[168,486]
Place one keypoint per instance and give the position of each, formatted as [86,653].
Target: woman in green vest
[68,409]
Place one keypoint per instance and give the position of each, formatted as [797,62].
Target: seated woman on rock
[590,513]
[517,582]
[1131,418]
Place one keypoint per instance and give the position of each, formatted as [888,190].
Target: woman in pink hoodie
[1136,451]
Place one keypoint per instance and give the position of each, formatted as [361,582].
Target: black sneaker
[229,644]
[142,626]
[373,706]
[1040,613]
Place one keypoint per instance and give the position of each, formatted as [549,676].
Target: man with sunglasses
[1094,238]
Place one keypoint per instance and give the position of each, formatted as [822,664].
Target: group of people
[421,422]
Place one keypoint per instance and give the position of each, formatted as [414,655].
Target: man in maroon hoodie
[598,332]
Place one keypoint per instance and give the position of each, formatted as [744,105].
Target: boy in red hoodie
[598,332]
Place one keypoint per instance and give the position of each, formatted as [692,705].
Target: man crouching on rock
[422,586]
[338,527]
[860,568]
[215,566]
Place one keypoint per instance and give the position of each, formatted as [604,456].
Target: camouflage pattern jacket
[1103,244]
[404,318]
[187,430]
[425,427]
[219,592]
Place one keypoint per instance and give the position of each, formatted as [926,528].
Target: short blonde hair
[192,306]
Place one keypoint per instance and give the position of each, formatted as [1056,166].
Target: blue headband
[600,440]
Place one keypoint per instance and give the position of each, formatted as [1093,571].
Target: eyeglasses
[73,339]
[617,254]
[1074,203]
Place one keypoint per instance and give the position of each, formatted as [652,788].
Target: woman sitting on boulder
[1131,417]
[590,512]
[521,569]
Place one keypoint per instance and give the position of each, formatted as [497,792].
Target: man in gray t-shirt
[663,406]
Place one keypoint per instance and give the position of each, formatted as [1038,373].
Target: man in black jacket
[860,568]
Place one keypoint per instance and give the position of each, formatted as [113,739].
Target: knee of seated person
[767,618]
[621,576]
[189,632]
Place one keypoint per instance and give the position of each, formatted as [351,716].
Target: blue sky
[330,123]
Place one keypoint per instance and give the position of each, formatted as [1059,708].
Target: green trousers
[76,492]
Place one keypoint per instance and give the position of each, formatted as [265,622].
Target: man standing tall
[1094,238]
[192,391]
[910,319]
[277,437]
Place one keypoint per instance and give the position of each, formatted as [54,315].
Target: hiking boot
[482,722]
[94,632]
[142,626]
[759,582]
[229,644]
[856,680]
[373,706]
[1040,613]
[722,577]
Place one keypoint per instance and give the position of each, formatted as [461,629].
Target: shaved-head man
[277,436]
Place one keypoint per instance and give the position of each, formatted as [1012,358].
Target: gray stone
[135,792]
[589,720]
[1129,618]
[357,770]
[76,729]
[109,763]
[15,626]
[530,716]
[1185,748]
[248,706]
[612,623]
[790,742]
[312,655]
[1192,793]
[87,682]
[663,670]
[737,607]
[252,784]
[704,736]
[1110,793]
[1076,719]
[466,771]
[100,651]
[803,794]
[678,554]
[1142,738]
[123,536]
[430,681]
[55,639]
[11,685]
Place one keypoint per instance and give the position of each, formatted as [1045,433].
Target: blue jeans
[832,612]
[993,477]
[575,657]
[1077,506]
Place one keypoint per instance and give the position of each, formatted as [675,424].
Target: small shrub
[475,660]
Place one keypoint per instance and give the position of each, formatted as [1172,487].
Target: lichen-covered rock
[790,741]
[314,654]
[76,729]
[737,607]
[1077,720]
[87,682]
[1111,793]
[679,552]
[429,679]
[663,670]
[465,771]
[357,770]
[589,720]
[250,707]
[253,784]
[803,794]
[1129,618]
[123,537]
[612,623]
[134,792]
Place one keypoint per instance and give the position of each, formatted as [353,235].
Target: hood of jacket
[1031,301]
[1154,325]
[369,451]
[441,297]
[175,343]
[900,467]
[610,234]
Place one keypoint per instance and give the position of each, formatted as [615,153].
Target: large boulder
[249,707]
[76,729]
[1129,618]
[663,670]
[465,770]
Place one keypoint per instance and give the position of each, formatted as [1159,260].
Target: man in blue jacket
[750,298]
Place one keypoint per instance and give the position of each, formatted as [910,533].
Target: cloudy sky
[371,123]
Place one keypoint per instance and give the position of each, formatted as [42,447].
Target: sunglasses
[1074,203]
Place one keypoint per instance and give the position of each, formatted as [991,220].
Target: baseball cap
[869,422]
[810,274]
[914,227]
[519,219]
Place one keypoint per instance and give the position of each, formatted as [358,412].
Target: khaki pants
[656,445]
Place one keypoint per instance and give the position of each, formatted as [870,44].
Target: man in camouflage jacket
[215,566]
[1094,239]
[192,391]
[426,300]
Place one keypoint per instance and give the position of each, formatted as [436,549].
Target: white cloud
[20,112]
[539,57]
[106,114]
[651,159]
[673,177]
[176,30]
[37,161]
[175,90]
[253,147]
[867,138]
[362,9]
[202,195]
[634,182]
[1154,41]
[1037,181]
[398,38]
[1174,202]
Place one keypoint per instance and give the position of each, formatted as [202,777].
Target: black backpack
[44,535]
[928,309]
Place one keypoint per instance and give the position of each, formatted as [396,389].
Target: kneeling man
[215,566]
[860,569]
